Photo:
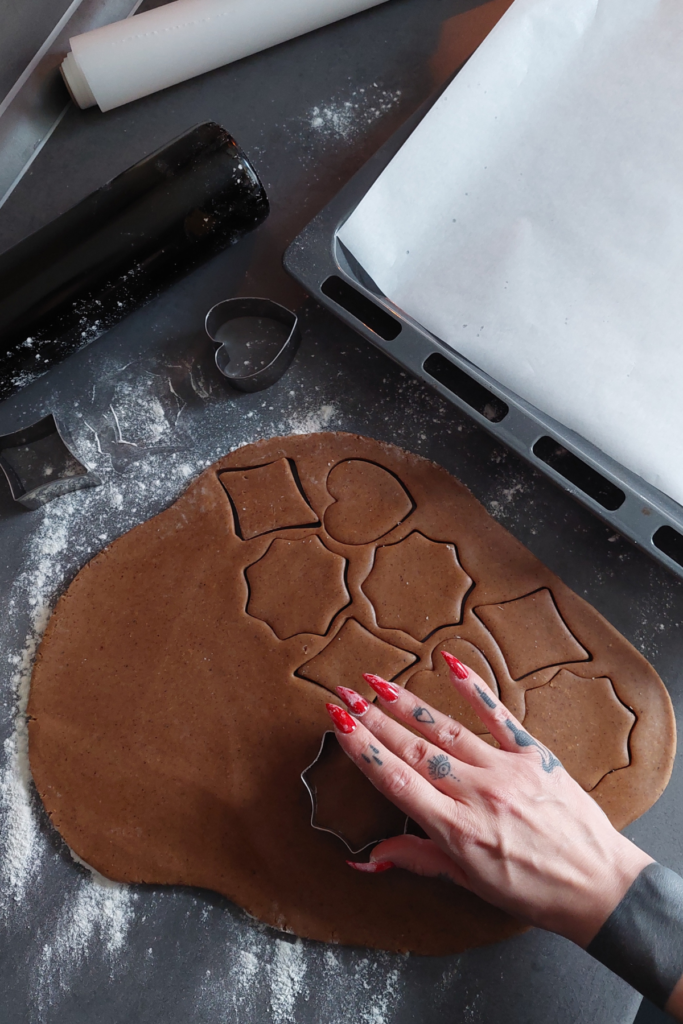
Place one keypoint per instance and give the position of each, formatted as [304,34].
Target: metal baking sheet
[320,262]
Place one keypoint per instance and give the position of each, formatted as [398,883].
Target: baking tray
[319,261]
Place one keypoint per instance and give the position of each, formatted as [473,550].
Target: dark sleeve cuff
[642,939]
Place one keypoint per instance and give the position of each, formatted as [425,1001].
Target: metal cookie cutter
[257,339]
[39,465]
[389,823]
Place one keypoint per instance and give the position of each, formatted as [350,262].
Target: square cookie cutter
[39,465]
[320,262]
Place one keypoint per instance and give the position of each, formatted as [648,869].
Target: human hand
[508,824]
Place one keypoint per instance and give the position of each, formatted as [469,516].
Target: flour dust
[350,116]
[146,440]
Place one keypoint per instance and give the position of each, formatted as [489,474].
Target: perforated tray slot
[323,266]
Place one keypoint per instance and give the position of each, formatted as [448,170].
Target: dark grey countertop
[308,113]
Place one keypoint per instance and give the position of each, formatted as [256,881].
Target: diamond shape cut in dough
[531,633]
[265,499]
[353,651]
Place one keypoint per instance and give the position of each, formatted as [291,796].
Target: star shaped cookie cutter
[39,465]
[257,339]
[307,777]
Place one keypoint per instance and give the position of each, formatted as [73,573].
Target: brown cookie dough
[179,691]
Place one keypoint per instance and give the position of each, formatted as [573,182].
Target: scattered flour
[97,914]
[312,422]
[286,973]
[346,118]
[344,985]
[145,458]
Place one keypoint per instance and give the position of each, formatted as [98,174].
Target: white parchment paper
[534,221]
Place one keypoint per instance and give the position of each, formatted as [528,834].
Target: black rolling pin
[72,280]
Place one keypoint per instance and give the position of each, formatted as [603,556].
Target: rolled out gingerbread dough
[179,691]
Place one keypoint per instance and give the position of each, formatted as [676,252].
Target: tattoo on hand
[485,697]
[548,760]
[375,752]
[423,715]
[440,768]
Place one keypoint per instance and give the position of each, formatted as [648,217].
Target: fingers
[494,715]
[400,783]
[446,733]
[502,725]
[421,856]
[442,769]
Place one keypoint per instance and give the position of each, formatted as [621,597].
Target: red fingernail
[353,700]
[455,666]
[342,719]
[371,867]
[387,691]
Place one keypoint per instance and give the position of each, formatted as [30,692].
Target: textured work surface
[74,951]
[168,729]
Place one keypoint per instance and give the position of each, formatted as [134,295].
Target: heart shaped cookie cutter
[238,325]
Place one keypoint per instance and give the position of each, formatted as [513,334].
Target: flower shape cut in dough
[297,587]
[417,585]
[583,722]
[346,803]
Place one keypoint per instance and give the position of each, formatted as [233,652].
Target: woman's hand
[509,824]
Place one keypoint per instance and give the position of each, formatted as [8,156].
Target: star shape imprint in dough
[583,722]
[417,585]
[298,586]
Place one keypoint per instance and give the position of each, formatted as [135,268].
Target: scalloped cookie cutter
[236,325]
[39,465]
[312,792]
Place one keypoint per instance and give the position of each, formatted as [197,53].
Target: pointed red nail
[455,666]
[371,867]
[342,719]
[353,700]
[387,691]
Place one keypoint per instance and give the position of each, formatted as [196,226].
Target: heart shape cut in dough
[369,502]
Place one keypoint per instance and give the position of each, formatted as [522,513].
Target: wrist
[602,890]
[642,940]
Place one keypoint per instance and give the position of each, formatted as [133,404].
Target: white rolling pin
[122,62]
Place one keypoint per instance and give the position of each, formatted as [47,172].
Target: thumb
[421,856]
